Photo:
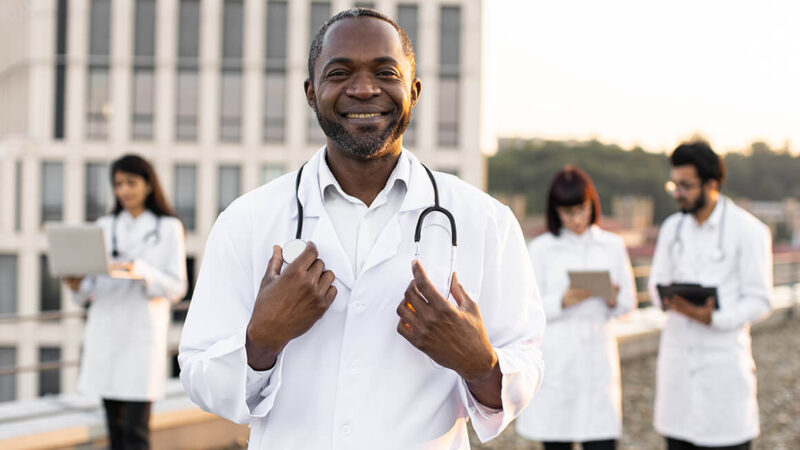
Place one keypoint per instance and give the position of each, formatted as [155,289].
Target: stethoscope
[154,233]
[294,247]
[719,253]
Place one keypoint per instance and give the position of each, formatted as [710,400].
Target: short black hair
[352,13]
[570,186]
[699,154]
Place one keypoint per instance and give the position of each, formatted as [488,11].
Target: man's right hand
[573,296]
[287,305]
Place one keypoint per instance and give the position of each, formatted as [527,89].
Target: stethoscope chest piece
[292,250]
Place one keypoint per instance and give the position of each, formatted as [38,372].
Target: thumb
[459,294]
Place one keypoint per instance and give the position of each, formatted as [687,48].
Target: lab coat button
[347,429]
[358,306]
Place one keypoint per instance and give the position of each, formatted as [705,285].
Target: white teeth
[363,116]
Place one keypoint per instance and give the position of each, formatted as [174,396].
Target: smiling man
[364,331]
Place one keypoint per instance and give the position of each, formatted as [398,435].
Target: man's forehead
[684,171]
[358,37]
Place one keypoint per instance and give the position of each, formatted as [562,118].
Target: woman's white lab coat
[125,345]
[580,397]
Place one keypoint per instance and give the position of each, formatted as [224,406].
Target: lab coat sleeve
[661,266]
[626,298]
[755,272]
[512,313]
[167,279]
[214,368]
[550,296]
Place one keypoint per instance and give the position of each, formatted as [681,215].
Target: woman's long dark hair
[570,186]
[156,201]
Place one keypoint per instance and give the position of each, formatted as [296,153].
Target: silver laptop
[79,250]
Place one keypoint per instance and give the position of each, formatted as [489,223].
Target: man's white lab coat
[125,346]
[706,381]
[352,381]
[580,399]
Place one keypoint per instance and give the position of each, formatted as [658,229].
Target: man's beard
[697,206]
[370,143]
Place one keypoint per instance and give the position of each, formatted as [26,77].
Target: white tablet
[596,281]
[78,250]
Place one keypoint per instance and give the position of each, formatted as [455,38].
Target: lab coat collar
[400,173]
[145,217]
[591,234]
[716,215]
[419,192]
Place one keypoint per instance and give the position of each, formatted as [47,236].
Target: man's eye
[387,73]
[337,73]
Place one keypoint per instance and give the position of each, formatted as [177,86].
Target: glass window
[275,76]
[231,106]
[229,186]
[49,288]
[98,106]
[232,33]
[144,44]
[8,382]
[186,90]
[8,284]
[277,22]
[100,29]
[61,69]
[186,195]
[18,196]
[143,97]
[50,379]
[449,71]
[450,43]
[186,113]
[270,172]
[98,188]
[274,106]
[52,192]
[189,31]
[448,111]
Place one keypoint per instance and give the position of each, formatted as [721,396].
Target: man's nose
[363,87]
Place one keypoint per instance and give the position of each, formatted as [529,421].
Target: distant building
[211,92]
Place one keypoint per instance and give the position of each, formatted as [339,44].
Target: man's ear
[416,88]
[309,88]
[712,185]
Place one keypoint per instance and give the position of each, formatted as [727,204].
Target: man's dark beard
[698,204]
[369,144]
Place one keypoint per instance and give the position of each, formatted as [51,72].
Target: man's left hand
[701,314]
[453,336]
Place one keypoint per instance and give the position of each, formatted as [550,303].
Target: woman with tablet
[580,398]
[124,359]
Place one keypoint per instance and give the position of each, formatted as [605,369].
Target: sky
[645,73]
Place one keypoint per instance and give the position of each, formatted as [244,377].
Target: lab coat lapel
[418,196]
[331,251]
[386,246]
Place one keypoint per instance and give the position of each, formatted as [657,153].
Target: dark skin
[363,83]
[691,190]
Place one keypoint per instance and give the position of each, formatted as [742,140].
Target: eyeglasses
[672,187]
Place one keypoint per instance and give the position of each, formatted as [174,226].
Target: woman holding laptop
[580,396]
[124,359]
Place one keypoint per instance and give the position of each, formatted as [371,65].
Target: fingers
[425,286]
[415,298]
[710,302]
[330,294]
[407,315]
[316,269]
[406,331]
[306,258]
[275,261]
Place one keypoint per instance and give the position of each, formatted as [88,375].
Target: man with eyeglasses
[705,381]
